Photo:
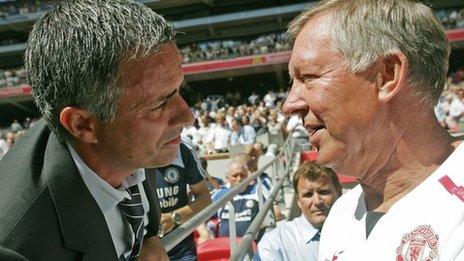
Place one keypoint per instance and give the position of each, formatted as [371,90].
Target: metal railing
[283,159]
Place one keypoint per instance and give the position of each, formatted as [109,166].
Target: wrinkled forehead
[323,181]
[237,169]
[314,40]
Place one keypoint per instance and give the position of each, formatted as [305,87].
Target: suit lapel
[82,223]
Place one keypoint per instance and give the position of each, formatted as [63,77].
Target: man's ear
[79,123]
[392,77]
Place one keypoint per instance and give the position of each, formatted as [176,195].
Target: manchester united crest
[419,245]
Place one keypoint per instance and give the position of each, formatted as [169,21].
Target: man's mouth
[312,129]
[176,140]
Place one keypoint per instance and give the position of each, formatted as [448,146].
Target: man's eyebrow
[167,97]
[147,102]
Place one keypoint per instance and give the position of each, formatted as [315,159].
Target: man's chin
[330,157]
[164,159]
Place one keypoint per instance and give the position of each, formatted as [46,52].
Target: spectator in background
[298,131]
[251,158]
[249,134]
[274,127]
[316,190]
[219,136]
[258,149]
[172,183]
[15,126]
[259,122]
[10,139]
[3,145]
[245,203]
[270,99]
[253,98]
[369,110]
[456,110]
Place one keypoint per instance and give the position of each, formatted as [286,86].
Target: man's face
[237,173]
[315,198]
[150,114]
[340,109]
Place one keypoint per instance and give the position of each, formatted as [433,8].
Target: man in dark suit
[106,77]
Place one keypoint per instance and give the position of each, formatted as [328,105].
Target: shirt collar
[104,194]
[178,160]
[308,231]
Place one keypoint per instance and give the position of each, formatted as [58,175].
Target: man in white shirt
[219,135]
[365,77]
[316,190]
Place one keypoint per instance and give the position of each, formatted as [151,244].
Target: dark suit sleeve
[10,255]
[154,216]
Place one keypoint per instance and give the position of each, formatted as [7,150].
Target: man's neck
[112,173]
[417,154]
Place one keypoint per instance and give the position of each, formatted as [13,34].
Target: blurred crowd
[10,8]
[450,108]
[10,134]
[13,77]
[451,18]
[227,49]
[222,123]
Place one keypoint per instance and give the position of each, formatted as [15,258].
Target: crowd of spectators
[451,18]
[13,77]
[11,133]
[450,108]
[227,49]
[11,8]
[218,128]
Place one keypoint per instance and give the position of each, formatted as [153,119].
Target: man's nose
[183,113]
[295,102]
[317,199]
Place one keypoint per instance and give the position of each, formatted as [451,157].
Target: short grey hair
[235,163]
[365,30]
[75,51]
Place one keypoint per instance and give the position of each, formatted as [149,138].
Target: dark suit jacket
[46,211]
[10,255]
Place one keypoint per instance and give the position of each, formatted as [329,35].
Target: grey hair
[237,162]
[366,30]
[75,51]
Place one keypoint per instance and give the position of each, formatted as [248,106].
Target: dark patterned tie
[133,213]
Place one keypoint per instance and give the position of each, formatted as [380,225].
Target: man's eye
[308,79]
[159,107]
[308,195]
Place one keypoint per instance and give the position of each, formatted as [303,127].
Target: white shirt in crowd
[295,240]
[220,137]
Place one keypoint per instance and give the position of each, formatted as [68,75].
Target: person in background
[365,77]
[246,203]
[316,190]
[173,182]
[218,138]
